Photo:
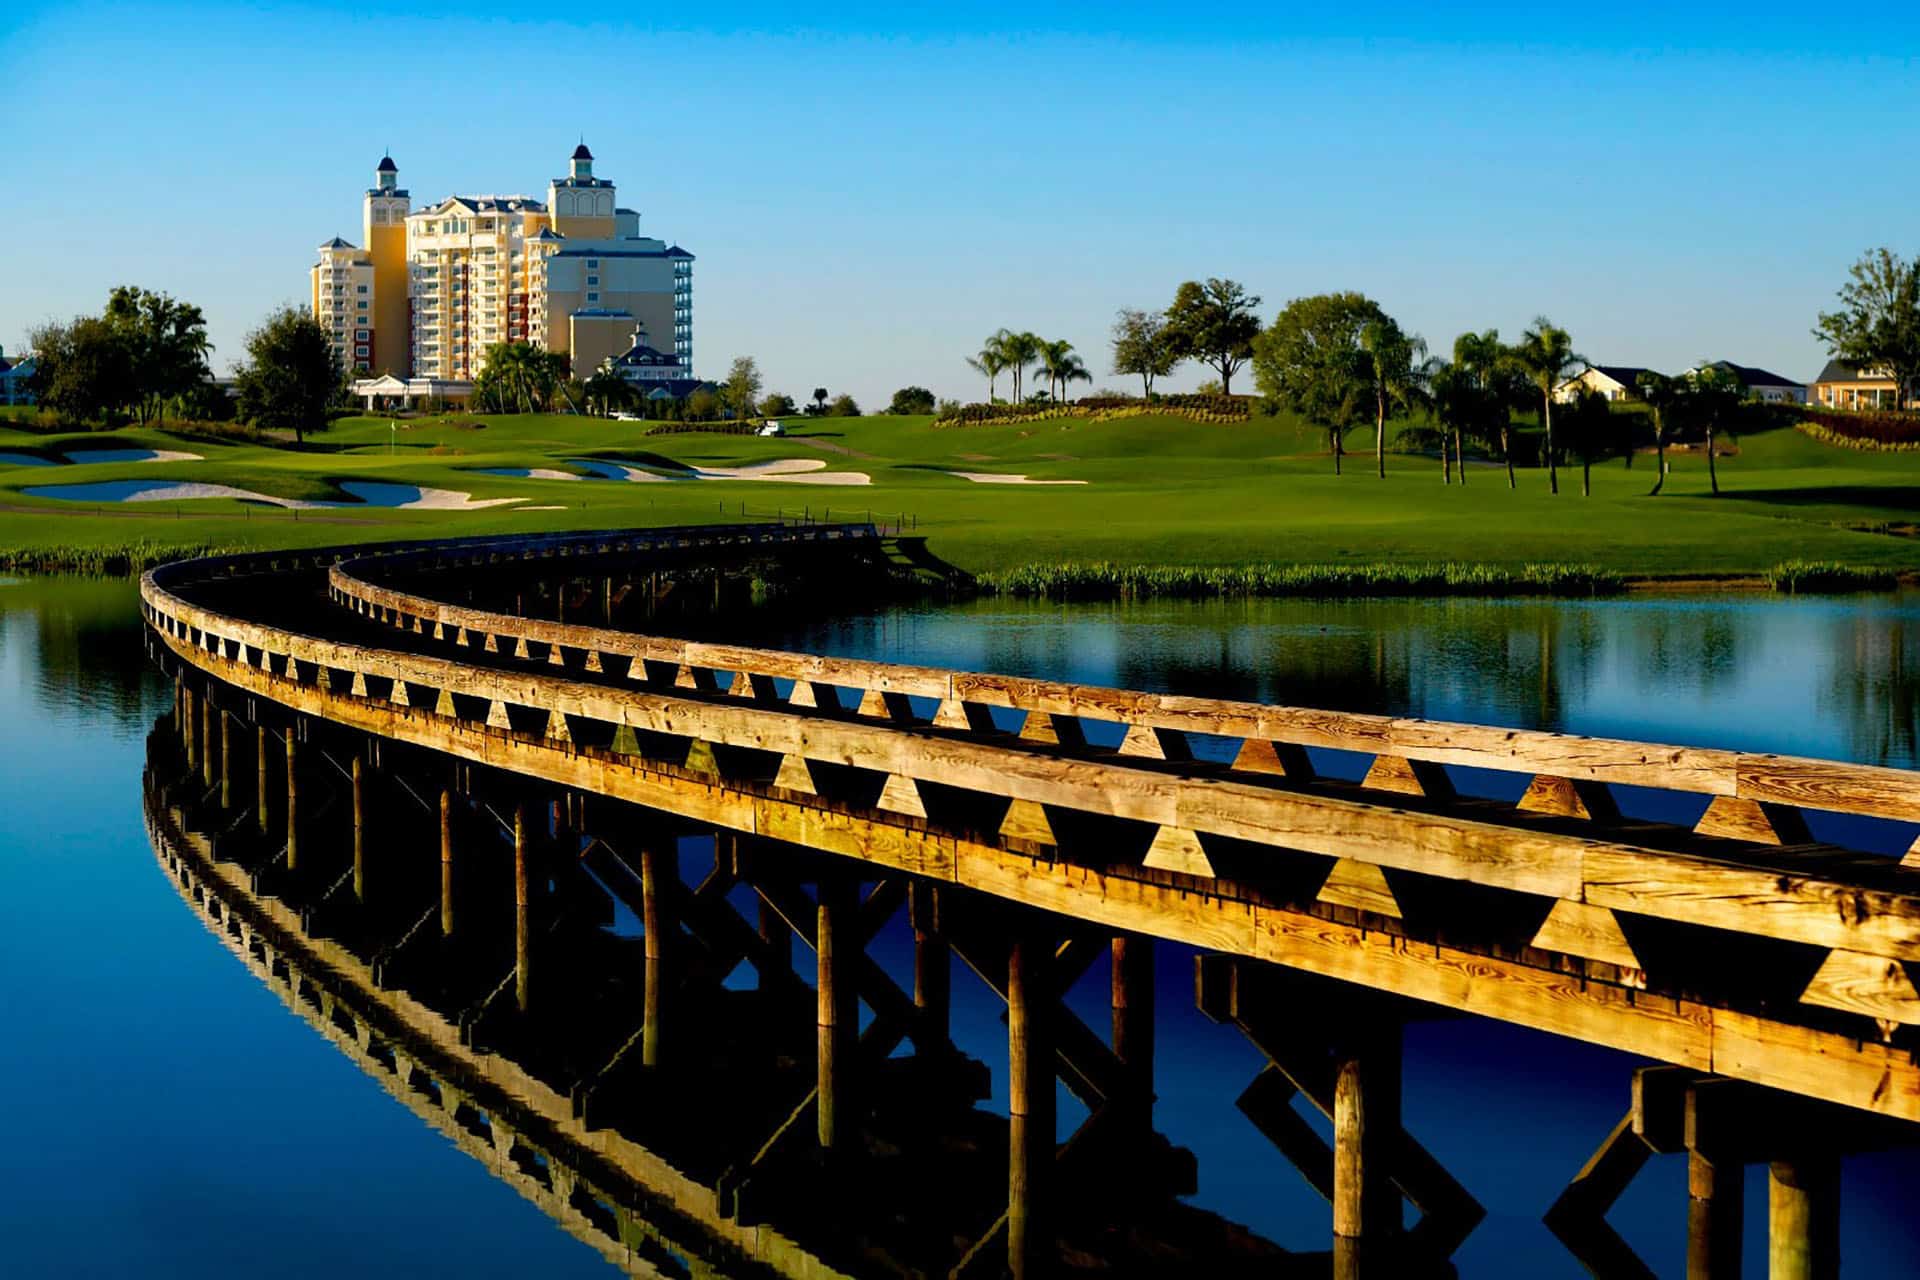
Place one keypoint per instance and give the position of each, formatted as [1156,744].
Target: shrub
[1194,408]
[1104,581]
[1864,429]
[843,406]
[1797,576]
[911,400]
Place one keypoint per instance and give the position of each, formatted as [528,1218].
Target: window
[593,264]
[362,304]
[593,297]
[360,288]
[360,350]
[593,280]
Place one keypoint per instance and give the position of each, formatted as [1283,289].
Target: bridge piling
[188,738]
[358,774]
[293,801]
[1367,1214]
[260,785]
[206,741]
[226,760]
[1803,1217]
[521,933]
[932,965]
[659,873]
[1133,1017]
[837,1022]
[1030,1101]
[446,863]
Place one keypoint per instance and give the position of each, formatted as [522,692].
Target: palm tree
[1017,351]
[1547,354]
[1663,395]
[1393,366]
[1061,365]
[989,364]
[1716,392]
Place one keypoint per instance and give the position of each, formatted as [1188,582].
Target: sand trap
[999,477]
[82,456]
[783,470]
[25,460]
[539,508]
[368,493]
[528,473]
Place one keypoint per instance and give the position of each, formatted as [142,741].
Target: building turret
[386,175]
[582,165]
[384,230]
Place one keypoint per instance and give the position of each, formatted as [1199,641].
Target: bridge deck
[1734,944]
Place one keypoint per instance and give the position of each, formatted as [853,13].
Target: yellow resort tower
[434,288]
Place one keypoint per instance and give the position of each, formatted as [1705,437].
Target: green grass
[1159,492]
[1191,582]
[1801,576]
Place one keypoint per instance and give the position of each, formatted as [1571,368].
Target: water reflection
[1823,677]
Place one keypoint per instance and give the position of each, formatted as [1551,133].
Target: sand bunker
[1001,477]
[404,497]
[539,508]
[783,470]
[82,456]
[528,473]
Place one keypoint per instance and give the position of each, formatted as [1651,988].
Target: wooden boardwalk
[1731,944]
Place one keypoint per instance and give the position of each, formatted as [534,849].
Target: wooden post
[1030,1103]
[226,760]
[520,933]
[1716,1216]
[359,831]
[778,937]
[653,922]
[1803,1218]
[180,707]
[293,802]
[1133,1024]
[932,968]
[1366,1129]
[260,776]
[206,743]
[188,738]
[837,1014]
[446,863]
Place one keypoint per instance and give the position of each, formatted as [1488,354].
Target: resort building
[435,287]
[1770,388]
[1845,386]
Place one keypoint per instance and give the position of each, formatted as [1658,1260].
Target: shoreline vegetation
[1104,581]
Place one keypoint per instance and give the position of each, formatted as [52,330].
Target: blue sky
[871,193]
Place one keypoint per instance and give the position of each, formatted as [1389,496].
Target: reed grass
[113,560]
[1802,576]
[1107,581]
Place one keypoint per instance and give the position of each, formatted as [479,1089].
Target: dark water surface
[167,1115]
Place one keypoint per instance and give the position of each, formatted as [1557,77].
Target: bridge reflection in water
[458,785]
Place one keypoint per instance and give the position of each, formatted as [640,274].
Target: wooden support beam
[1176,849]
[1716,1187]
[1360,885]
[932,963]
[207,735]
[1407,777]
[1733,818]
[1133,1027]
[226,760]
[659,881]
[293,802]
[1147,743]
[1281,759]
[1053,731]
[1592,933]
[1027,820]
[1569,798]
[1875,986]
[262,814]
[1578,1215]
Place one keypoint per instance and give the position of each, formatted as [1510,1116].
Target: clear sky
[872,192]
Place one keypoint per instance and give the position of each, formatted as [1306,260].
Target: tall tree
[84,370]
[518,377]
[1878,323]
[741,390]
[167,343]
[1141,347]
[1311,361]
[1062,364]
[1547,354]
[1715,396]
[291,377]
[911,400]
[990,363]
[608,390]
[1393,366]
[1589,430]
[1017,351]
[1663,396]
[819,404]
[1215,324]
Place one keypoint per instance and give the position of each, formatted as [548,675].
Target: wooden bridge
[1341,873]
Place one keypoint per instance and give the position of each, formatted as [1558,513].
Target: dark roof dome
[386,165]
[581,153]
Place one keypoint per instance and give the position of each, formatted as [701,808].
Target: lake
[171,1117]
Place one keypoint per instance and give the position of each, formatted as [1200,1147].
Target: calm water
[167,1115]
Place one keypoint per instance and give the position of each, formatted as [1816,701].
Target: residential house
[1761,385]
[1614,381]
[1845,386]
[16,379]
